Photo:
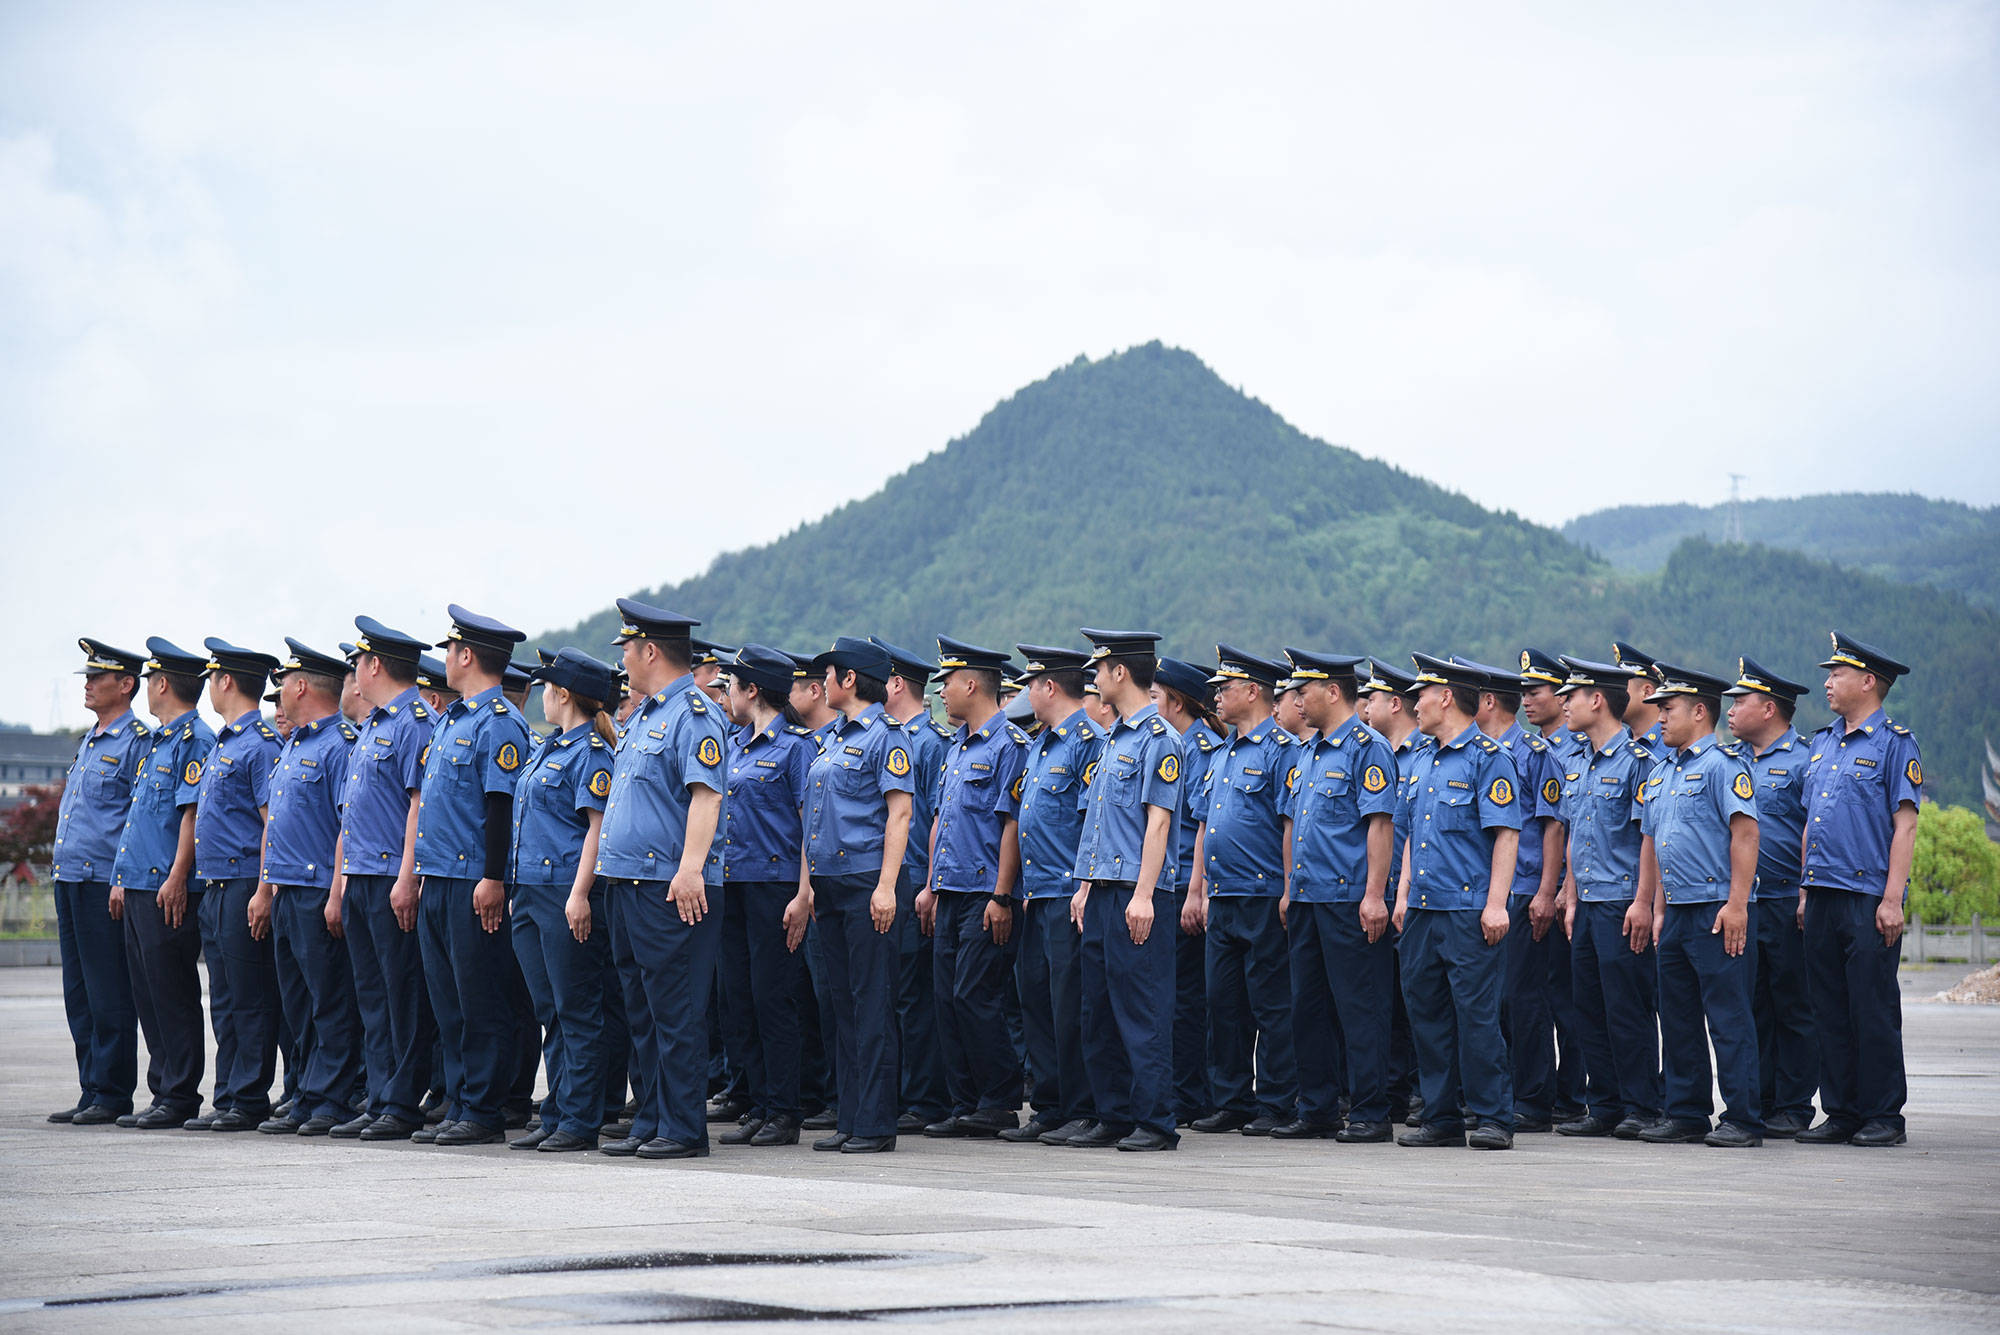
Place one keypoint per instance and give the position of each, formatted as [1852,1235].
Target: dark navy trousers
[1857,1009]
[97,995]
[1451,982]
[861,977]
[565,980]
[667,968]
[242,998]
[1617,1002]
[332,1070]
[166,990]
[1127,1011]
[760,994]
[1250,1008]
[819,1029]
[1528,1011]
[466,969]
[1704,996]
[1787,1047]
[1192,1098]
[924,1088]
[1049,973]
[970,975]
[1342,1019]
[1569,1042]
[397,1026]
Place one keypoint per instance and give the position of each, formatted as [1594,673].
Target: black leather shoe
[1530,1126]
[1430,1136]
[1364,1133]
[741,1134]
[945,1129]
[1730,1136]
[911,1124]
[780,1130]
[1586,1125]
[1145,1138]
[67,1115]
[1299,1130]
[352,1128]
[1224,1120]
[389,1127]
[614,1130]
[869,1145]
[1674,1131]
[201,1121]
[564,1142]
[659,1147]
[1879,1134]
[1488,1137]
[1786,1125]
[96,1114]
[1828,1132]
[826,1119]
[727,1108]
[428,1134]
[320,1124]
[1101,1136]
[986,1123]
[275,1125]
[831,1144]
[1033,1130]
[466,1133]
[235,1120]
[160,1119]
[622,1148]
[1069,1130]
[1632,1128]
[283,1108]
[532,1140]
[1261,1125]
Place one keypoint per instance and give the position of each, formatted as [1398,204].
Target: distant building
[28,759]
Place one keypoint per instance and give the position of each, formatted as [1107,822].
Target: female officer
[769,756]
[857,824]
[558,929]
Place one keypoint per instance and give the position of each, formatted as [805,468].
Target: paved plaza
[179,1231]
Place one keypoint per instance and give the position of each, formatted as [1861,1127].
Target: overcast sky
[314,310]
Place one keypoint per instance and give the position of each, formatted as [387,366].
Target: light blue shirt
[1690,798]
[861,762]
[1140,767]
[672,742]
[1337,782]
[1466,788]
[1855,780]
[96,797]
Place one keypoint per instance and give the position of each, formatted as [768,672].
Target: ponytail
[600,718]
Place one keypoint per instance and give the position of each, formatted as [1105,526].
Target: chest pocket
[106,777]
[1334,791]
[1457,810]
[1057,783]
[981,790]
[1122,780]
[1692,793]
[1860,786]
[1252,780]
[309,774]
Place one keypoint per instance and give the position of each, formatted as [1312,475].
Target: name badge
[1864,760]
[853,750]
[767,764]
[981,766]
[1458,783]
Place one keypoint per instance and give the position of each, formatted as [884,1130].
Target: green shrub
[1955,873]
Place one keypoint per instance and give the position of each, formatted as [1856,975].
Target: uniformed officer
[435,683]
[1612,963]
[228,845]
[152,887]
[1048,964]
[1339,823]
[857,822]
[298,870]
[1186,701]
[1547,947]
[1288,710]
[557,909]
[975,863]
[1388,705]
[1641,718]
[1864,783]
[762,966]
[661,852]
[1696,865]
[353,707]
[712,662]
[1100,713]
[464,824]
[1238,882]
[1124,862]
[1465,818]
[377,886]
[97,794]
[1760,717]
[819,1034]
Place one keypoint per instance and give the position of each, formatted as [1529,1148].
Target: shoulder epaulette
[499,706]
[348,731]
[1536,744]
[1641,750]
[596,741]
[418,709]
[1733,749]
[1898,728]
[1487,744]
[798,730]
[1014,731]
[1159,726]
[940,729]
[697,699]
[139,729]
[187,732]
[1204,742]
[269,733]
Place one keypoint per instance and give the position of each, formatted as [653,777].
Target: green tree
[1955,872]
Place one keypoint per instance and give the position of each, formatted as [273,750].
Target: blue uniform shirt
[980,792]
[1336,783]
[861,762]
[672,742]
[305,803]
[1411,756]
[569,777]
[96,797]
[1602,801]
[478,748]
[763,825]
[1540,771]
[1139,767]
[235,787]
[927,744]
[1051,817]
[384,767]
[1779,774]
[1854,783]
[1244,805]
[1465,789]
[1690,799]
[169,780]
[1198,747]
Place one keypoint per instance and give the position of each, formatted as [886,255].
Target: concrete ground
[108,1229]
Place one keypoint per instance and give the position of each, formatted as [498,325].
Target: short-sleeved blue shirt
[1198,748]
[169,781]
[235,787]
[980,792]
[96,797]
[1244,804]
[927,743]
[1411,756]
[569,778]
[1690,799]
[305,803]
[861,762]
[1541,774]
[1139,767]
[672,742]
[1466,788]
[763,826]
[384,767]
[1336,783]
[1603,796]
[1052,789]
[1779,774]
[478,748]
[1855,780]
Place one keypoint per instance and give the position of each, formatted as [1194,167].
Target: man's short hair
[398,670]
[185,686]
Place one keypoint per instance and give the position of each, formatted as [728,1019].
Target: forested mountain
[1910,539]
[1140,490]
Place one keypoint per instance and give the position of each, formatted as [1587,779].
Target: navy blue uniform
[923,1093]
[1049,963]
[1527,1009]
[1193,1098]
[1787,1048]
